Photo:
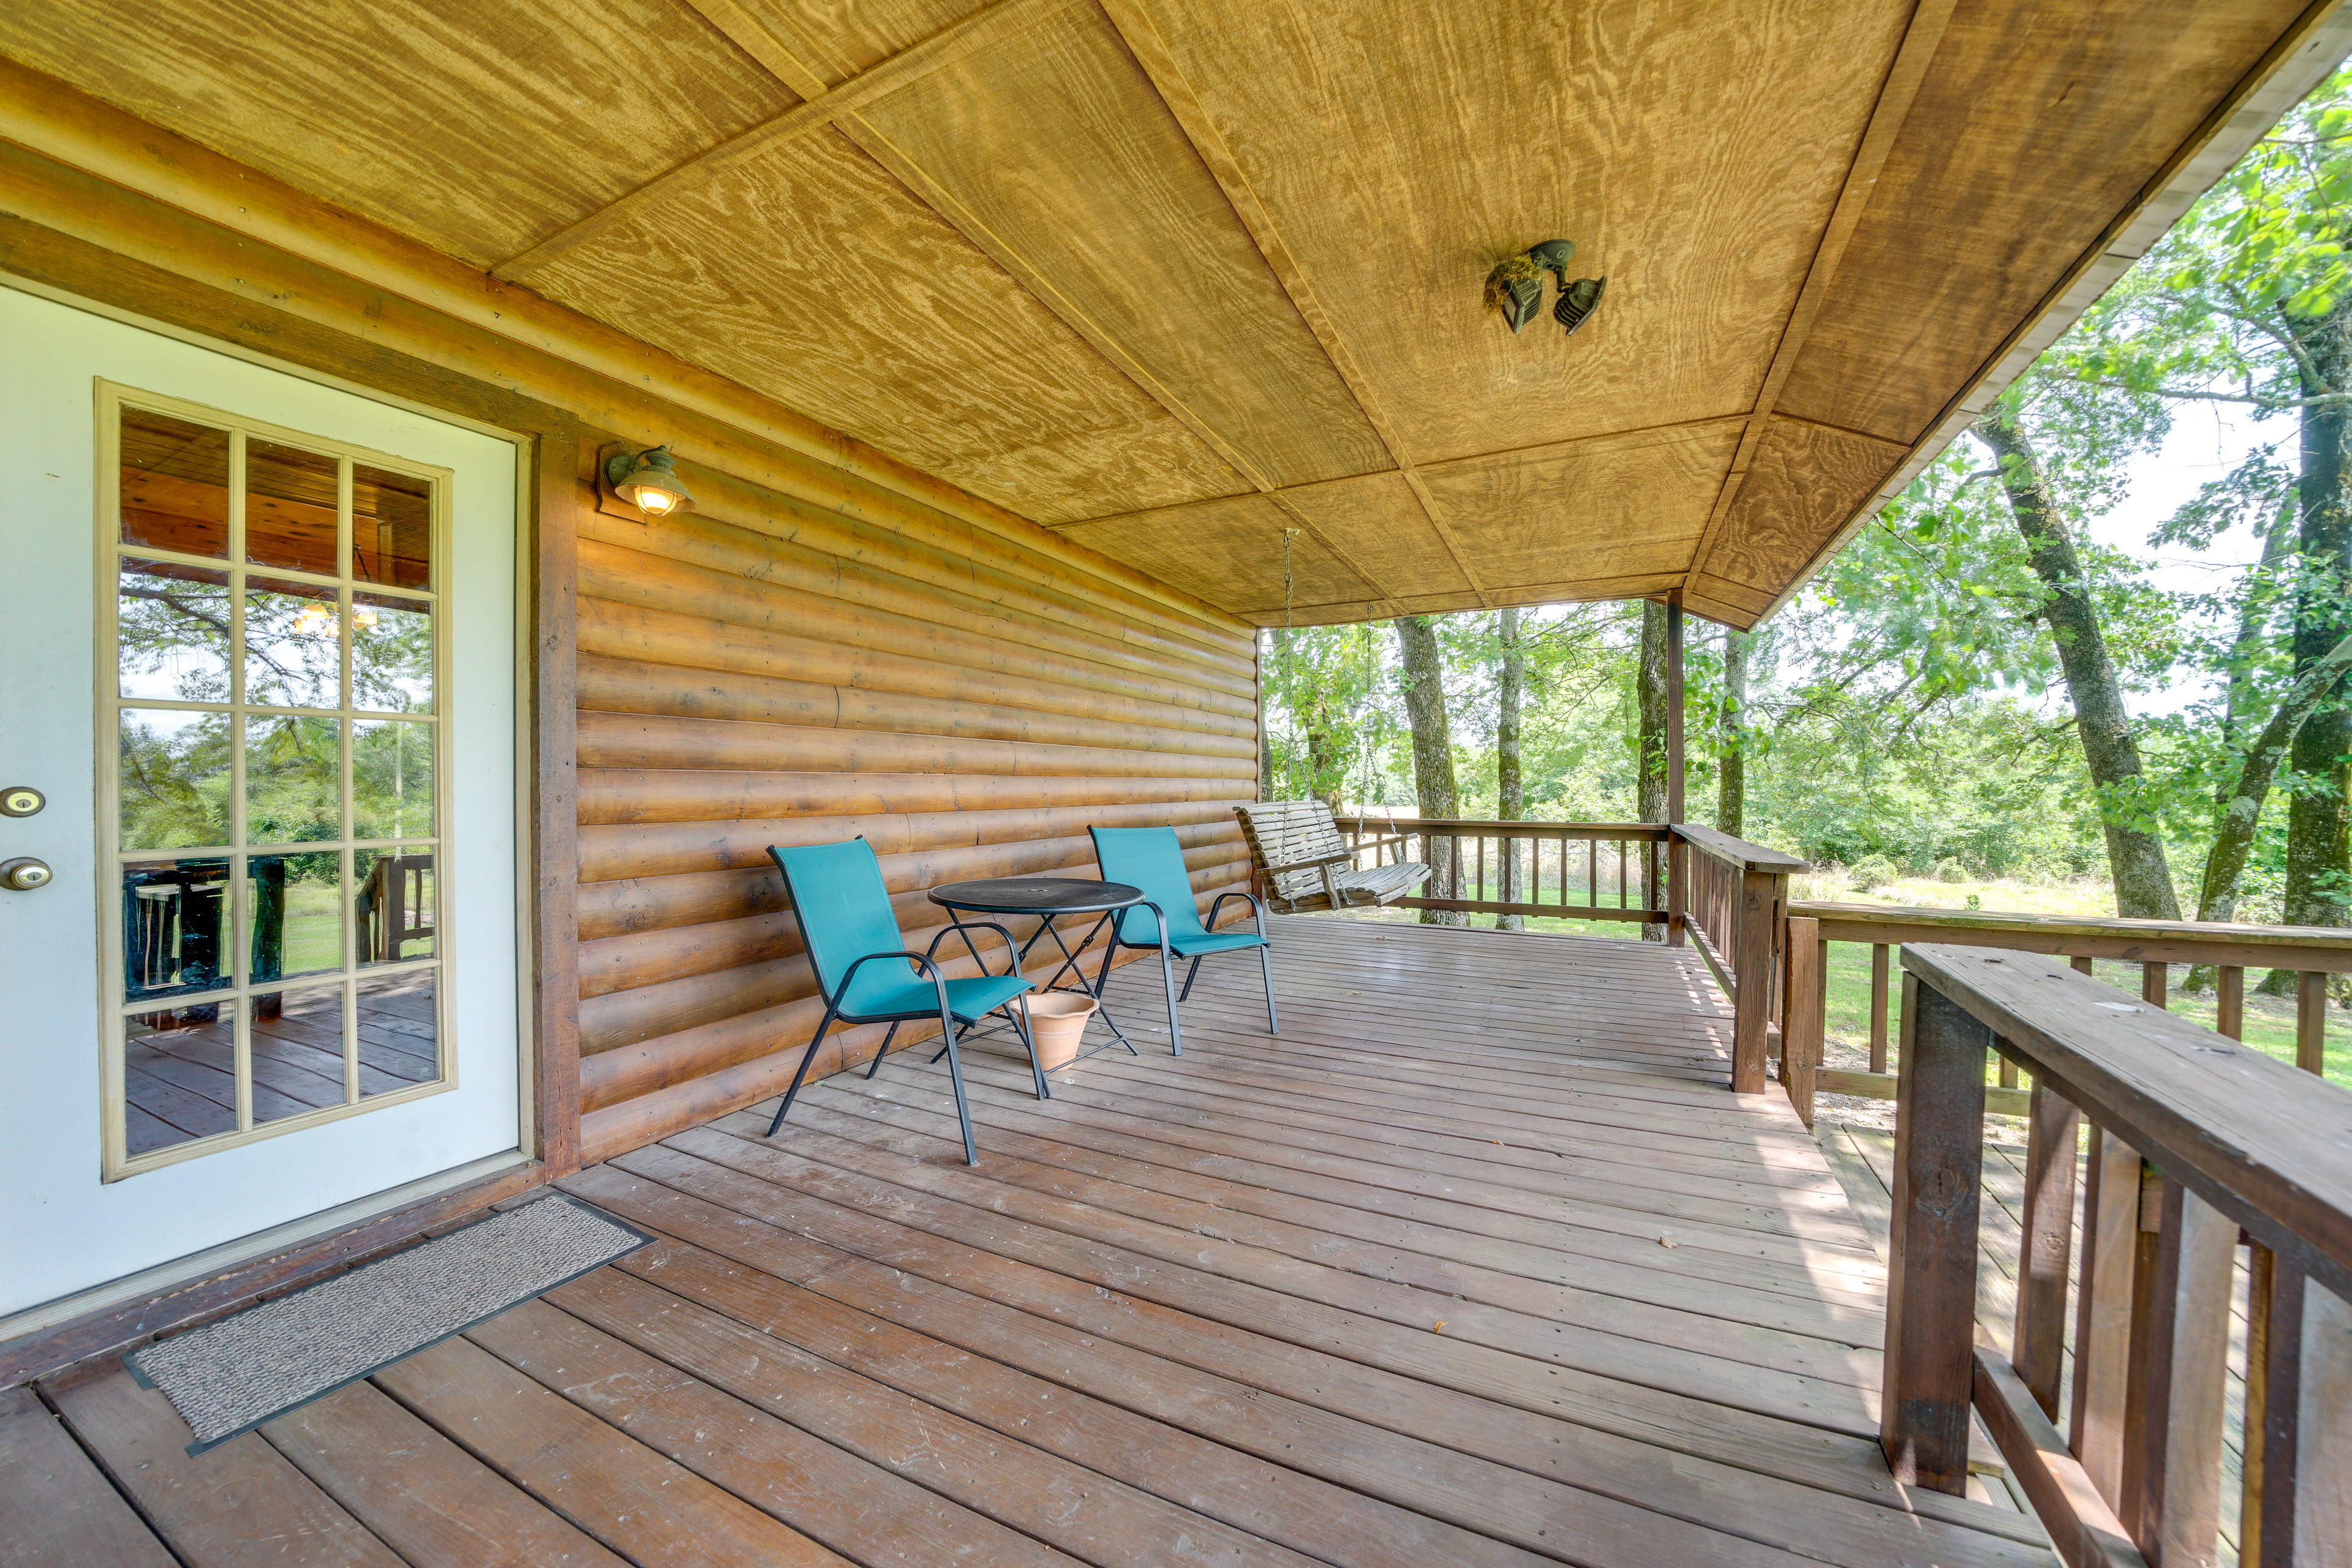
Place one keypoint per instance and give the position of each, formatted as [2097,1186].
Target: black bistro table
[1050,898]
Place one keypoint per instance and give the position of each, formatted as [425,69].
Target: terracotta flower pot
[1058,1021]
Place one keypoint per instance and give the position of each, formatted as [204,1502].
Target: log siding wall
[767,669]
[832,643]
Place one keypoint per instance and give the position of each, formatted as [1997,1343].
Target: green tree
[2248,301]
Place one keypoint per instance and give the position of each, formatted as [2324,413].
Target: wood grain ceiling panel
[476,126]
[1376,519]
[2008,170]
[1051,149]
[1612,506]
[1802,486]
[1227,551]
[839,40]
[811,275]
[1400,147]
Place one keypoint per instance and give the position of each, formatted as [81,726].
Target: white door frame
[228,383]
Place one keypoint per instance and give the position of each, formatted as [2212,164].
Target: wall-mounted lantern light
[647,480]
[1514,287]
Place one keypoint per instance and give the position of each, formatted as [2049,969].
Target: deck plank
[834,1494]
[1480,1262]
[422,1495]
[56,1508]
[240,1503]
[635,1500]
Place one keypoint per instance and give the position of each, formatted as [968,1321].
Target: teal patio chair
[847,923]
[1151,860]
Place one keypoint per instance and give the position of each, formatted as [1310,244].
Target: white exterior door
[260,637]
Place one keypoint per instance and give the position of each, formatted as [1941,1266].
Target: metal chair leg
[943,1050]
[1190,976]
[876,1065]
[955,1077]
[1168,981]
[1265,962]
[807,1056]
[1028,1037]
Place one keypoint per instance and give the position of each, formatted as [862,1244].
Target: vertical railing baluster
[1878,967]
[2054,1129]
[2311,1021]
[2230,1002]
[2152,983]
[1931,1293]
[2103,1310]
[2171,1498]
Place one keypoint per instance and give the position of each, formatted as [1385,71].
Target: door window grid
[383,857]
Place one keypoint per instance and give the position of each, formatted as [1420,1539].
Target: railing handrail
[2157,942]
[1738,851]
[2197,1145]
[2268,1145]
[1493,827]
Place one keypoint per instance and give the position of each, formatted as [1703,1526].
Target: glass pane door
[272,664]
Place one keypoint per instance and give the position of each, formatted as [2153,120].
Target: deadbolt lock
[23,874]
[21,800]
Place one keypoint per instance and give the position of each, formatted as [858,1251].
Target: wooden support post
[2230,1005]
[1931,1290]
[2151,983]
[1675,802]
[1751,967]
[2171,1499]
[1802,1013]
[563,485]
[2104,1311]
[1879,953]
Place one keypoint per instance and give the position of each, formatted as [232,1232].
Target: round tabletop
[1036,895]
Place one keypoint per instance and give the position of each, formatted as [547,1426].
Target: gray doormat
[228,1377]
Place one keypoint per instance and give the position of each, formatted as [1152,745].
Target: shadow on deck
[1479,1263]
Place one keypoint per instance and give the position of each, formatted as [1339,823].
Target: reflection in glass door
[272,662]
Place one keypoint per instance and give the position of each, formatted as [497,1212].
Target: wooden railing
[1734,905]
[2312,953]
[1571,870]
[2197,1145]
[1729,897]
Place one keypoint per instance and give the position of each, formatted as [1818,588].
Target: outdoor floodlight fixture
[648,480]
[1514,287]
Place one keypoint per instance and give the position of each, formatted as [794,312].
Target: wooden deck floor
[1479,1263]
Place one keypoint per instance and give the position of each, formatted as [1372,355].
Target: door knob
[21,800]
[23,874]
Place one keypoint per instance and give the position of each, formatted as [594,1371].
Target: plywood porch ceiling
[1176,276]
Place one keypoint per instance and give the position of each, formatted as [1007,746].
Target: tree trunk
[1327,767]
[2233,825]
[1653,739]
[1731,771]
[1432,754]
[1264,734]
[1510,783]
[2246,647]
[2136,857]
[2318,824]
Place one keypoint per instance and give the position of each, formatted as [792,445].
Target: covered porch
[1477,1262]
